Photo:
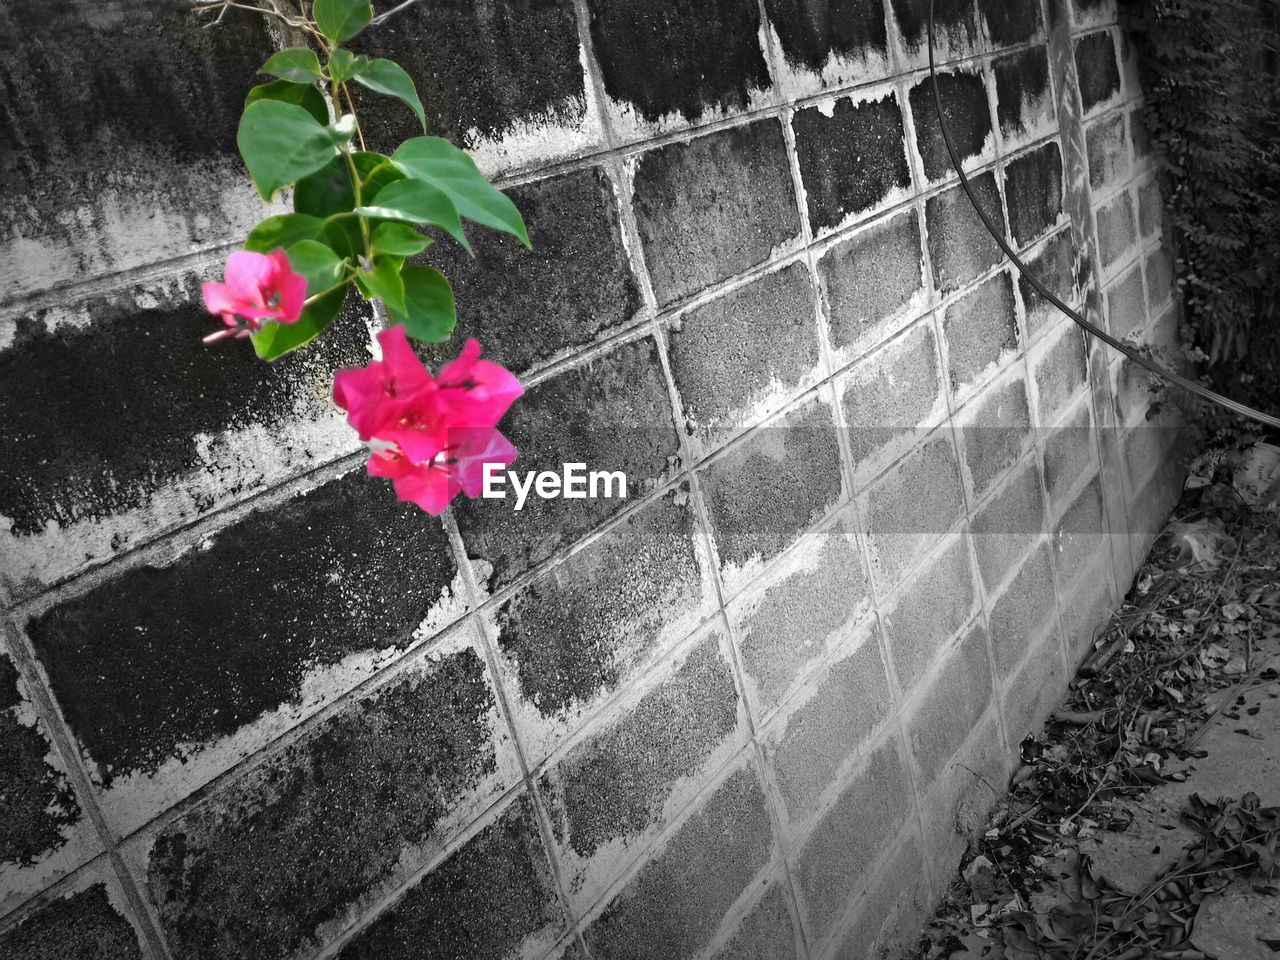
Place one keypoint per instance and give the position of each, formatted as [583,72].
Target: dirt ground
[1145,818]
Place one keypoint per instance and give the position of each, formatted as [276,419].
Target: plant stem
[328,290]
[351,169]
[352,104]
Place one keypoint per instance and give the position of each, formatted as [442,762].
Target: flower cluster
[258,287]
[431,436]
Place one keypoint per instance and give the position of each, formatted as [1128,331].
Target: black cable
[1190,386]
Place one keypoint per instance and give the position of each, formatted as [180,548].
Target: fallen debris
[1144,821]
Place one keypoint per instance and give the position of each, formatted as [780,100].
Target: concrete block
[1108,151]
[834,863]
[1161,277]
[1136,394]
[1033,187]
[1023,612]
[1070,451]
[828,43]
[994,429]
[1126,304]
[668,57]
[929,612]
[170,673]
[1116,231]
[960,247]
[788,624]
[890,394]
[968,116]
[87,922]
[527,306]
[743,355]
[1053,264]
[1093,13]
[1010,23]
[579,632]
[1138,132]
[766,933]
[765,492]
[1037,689]
[714,206]
[871,281]
[1059,371]
[719,852]
[1085,610]
[493,897]
[840,183]
[1024,102]
[1006,525]
[891,913]
[505,81]
[1154,447]
[614,787]
[43,831]
[39,801]
[911,507]
[317,833]
[1079,534]
[955,810]
[1097,69]
[184,427]
[127,159]
[956,20]
[1152,455]
[619,408]
[948,710]
[1150,208]
[981,330]
[810,745]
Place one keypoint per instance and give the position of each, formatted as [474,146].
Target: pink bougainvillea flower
[258,287]
[430,436]
[375,395]
[487,389]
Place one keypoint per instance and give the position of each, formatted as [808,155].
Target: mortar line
[515,176]
[973,400]
[456,842]
[226,779]
[63,742]
[934,299]
[498,675]
[1077,197]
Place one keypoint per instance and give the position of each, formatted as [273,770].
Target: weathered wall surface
[252,707]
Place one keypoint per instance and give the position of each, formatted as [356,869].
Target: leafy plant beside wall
[356,220]
[1213,113]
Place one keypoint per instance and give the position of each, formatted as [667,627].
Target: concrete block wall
[881,494]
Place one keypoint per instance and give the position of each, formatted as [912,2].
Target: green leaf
[299,94]
[384,76]
[398,239]
[376,172]
[283,230]
[282,143]
[328,190]
[342,234]
[429,313]
[297,64]
[340,20]
[343,64]
[276,339]
[384,281]
[438,162]
[317,262]
[414,201]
